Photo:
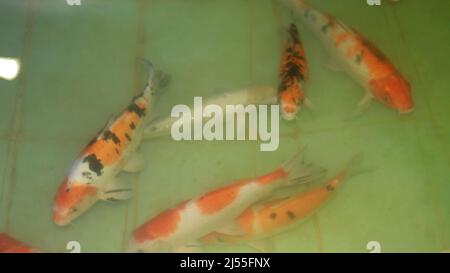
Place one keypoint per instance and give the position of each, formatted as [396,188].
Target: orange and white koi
[9,244]
[92,176]
[361,59]
[178,227]
[261,221]
[293,74]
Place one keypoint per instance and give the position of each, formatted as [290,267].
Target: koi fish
[293,74]
[93,175]
[244,96]
[9,244]
[176,228]
[361,59]
[261,221]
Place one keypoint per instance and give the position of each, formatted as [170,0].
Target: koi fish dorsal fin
[301,172]
[355,165]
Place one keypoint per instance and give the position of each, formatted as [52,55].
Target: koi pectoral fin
[135,163]
[266,245]
[310,106]
[362,105]
[116,191]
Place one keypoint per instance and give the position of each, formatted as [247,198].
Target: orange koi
[293,74]
[360,58]
[92,176]
[176,228]
[9,244]
[261,221]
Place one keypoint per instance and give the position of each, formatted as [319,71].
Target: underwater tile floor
[79,68]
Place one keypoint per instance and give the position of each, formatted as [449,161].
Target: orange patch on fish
[340,38]
[159,227]
[108,151]
[69,195]
[287,212]
[216,200]
[11,245]
[375,61]
[246,219]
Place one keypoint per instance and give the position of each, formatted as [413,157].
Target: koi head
[72,199]
[394,91]
[290,103]
[289,110]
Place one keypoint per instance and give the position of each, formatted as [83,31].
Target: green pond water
[78,67]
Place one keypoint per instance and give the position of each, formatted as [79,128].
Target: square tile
[80,69]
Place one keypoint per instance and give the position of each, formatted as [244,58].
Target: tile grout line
[437,209]
[10,177]
[278,16]
[132,207]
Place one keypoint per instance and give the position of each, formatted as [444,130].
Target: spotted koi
[177,227]
[293,74]
[262,221]
[92,176]
[360,58]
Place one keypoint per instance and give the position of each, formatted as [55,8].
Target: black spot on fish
[273,216]
[67,189]
[134,108]
[359,57]
[294,71]
[132,126]
[306,13]
[326,27]
[373,49]
[92,141]
[294,33]
[117,150]
[290,214]
[330,188]
[94,164]
[74,209]
[107,135]
[87,175]
[128,136]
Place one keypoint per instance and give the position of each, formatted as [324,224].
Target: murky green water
[79,68]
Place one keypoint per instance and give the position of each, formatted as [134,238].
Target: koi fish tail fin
[156,79]
[162,79]
[355,166]
[300,171]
